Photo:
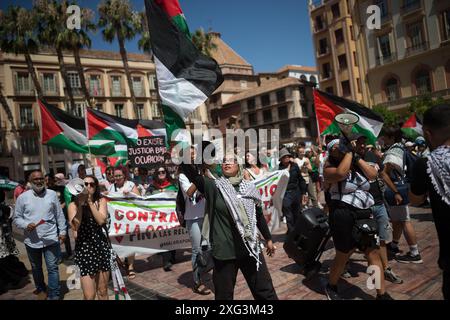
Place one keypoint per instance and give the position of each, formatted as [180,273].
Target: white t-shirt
[304,171]
[127,186]
[194,209]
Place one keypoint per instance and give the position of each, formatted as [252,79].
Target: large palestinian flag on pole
[62,130]
[412,128]
[328,106]
[186,77]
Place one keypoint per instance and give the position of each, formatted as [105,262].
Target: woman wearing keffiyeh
[432,177]
[233,215]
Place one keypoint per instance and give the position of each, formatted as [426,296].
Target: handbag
[205,259]
[365,232]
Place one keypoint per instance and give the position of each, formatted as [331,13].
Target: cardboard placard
[148,153]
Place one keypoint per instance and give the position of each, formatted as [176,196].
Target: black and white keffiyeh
[439,171]
[242,206]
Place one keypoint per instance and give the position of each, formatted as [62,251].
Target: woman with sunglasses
[87,216]
[232,220]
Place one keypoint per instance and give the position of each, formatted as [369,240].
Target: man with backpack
[398,163]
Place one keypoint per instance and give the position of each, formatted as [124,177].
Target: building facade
[332,30]
[409,55]
[107,84]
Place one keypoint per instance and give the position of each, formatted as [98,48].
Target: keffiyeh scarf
[242,206]
[439,171]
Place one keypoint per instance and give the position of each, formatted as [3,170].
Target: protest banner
[272,187]
[145,225]
[148,152]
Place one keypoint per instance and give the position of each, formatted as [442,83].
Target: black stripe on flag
[65,117]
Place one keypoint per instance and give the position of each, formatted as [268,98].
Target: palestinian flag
[328,106]
[186,77]
[62,130]
[412,128]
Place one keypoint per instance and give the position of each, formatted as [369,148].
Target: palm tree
[7,109]
[18,35]
[118,20]
[144,43]
[204,42]
[54,33]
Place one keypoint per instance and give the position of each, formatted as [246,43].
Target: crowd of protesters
[352,179]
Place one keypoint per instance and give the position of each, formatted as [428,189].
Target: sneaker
[346,274]
[167,267]
[384,296]
[392,249]
[409,258]
[389,275]
[331,293]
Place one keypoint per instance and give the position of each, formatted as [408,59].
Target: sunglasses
[87,184]
[118,176]
[161,172]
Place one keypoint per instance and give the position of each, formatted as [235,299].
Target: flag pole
[317,124]
[86,124]
[41,148]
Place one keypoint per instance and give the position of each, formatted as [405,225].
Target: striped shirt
[353,191]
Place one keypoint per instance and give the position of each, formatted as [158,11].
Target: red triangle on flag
[51,127]
[326,110]
[143,132]
[411,122]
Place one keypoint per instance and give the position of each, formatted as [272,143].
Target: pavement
[421,281]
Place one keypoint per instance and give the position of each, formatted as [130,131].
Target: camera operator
[350,214]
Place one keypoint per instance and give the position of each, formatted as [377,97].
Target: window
[267,115]
[336,11]
[355,59]
[351,33]
[152,81]
[415,37]
[409,5]
[385,46]
[265,100]
[244,84]
[323,46]
[445,18]
[26,115]
[319,23]
[342,59]
[252,120]
[137,86]
[358,85]
[307,126]
[140,111]
[304,110]
[250,104]
[346,88]
[283,113]
[155,110]
[79,109]
[23,83]
[423,82]
[94,85]
[74,80]
[116,88]
[281,97]
[392,92]
[119,110]
[329,90]
[339,36]
[326,71]
[285,130]
[99,107]
[48,81]
[383,8]
[30,145]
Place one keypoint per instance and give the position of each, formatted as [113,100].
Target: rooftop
[224,54]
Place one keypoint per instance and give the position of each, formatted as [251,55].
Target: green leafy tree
[204,42]
[420,105]
[390,118]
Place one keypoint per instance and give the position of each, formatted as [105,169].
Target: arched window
[392,89]
[422,81]
[313,79]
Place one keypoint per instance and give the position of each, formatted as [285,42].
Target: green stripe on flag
[172,122]
[333,129]
[149,206]
[180,22]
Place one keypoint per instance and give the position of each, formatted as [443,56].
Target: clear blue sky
[267,33]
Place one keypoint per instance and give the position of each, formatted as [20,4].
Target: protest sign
[148,152]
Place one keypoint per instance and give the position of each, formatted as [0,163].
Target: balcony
[322,27]
[410,6]
[323,52]
[382,60]
[417,48]
[24,92]
[327,76]
[76,92]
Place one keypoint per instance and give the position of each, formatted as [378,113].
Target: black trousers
[446,284]
[259,282]
[291,208]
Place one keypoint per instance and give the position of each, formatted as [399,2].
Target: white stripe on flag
[73,134]
[372,125]
[179,94]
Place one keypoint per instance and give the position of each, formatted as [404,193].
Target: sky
[266,33]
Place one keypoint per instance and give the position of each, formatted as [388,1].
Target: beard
[37,188]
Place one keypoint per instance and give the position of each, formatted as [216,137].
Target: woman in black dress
[87,215]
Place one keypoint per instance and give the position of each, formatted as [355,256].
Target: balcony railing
[382,60]
[76,92]
[406,100]
[411,6]
[320,28]
[24,92]
[414,49]
[321,52]
[98,92]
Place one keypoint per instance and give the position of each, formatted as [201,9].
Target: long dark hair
[97,195]
[156,178]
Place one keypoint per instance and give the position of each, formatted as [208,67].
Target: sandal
[203,292]
[131,274]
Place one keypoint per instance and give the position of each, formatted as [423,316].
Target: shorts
[399,213]
[382,218]
[341,224]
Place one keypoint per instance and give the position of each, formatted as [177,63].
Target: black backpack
[409,160]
